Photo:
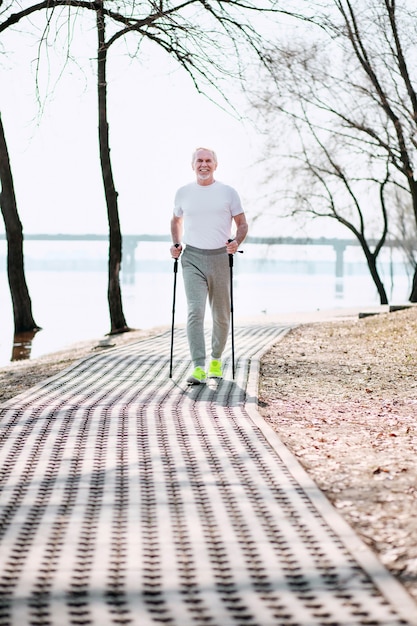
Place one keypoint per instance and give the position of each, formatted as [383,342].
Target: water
[70,304]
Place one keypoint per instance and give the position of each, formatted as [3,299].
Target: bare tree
[326,178]
[114,295]
[21,302]
[325,181]
[354,75]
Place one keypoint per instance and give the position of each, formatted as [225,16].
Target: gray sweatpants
[206,273]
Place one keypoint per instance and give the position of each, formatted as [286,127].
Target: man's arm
[241,232]
[241,228]
[176,234]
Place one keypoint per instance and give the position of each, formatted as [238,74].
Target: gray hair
[208,150]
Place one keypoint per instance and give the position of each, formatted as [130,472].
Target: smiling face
[204,165]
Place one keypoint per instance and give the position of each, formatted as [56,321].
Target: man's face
[204,166]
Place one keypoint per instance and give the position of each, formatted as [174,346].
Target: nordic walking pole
[232,322]
[173,312]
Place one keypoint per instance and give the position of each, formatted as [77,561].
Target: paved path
[130,498]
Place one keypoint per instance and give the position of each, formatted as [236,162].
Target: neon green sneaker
[215,369]
[197,377]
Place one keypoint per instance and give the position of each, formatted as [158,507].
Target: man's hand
[232,246]
[176,250]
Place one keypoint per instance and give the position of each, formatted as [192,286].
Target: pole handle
[231,255]
[176,245]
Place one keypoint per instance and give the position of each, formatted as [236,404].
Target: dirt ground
[342,395]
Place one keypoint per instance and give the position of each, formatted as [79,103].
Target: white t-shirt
[208,211]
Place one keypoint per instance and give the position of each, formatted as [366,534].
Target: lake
[68,287]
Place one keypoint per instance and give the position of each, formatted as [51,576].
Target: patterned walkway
[130,498]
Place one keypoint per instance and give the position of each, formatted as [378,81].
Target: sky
[156,120]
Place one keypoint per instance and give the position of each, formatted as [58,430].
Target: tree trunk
[371,261]
[114,294]
[378,282]
[22,305]
[413,293]
[413,191]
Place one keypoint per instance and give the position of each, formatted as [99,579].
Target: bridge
[130,243]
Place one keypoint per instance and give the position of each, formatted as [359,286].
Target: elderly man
[204,212]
